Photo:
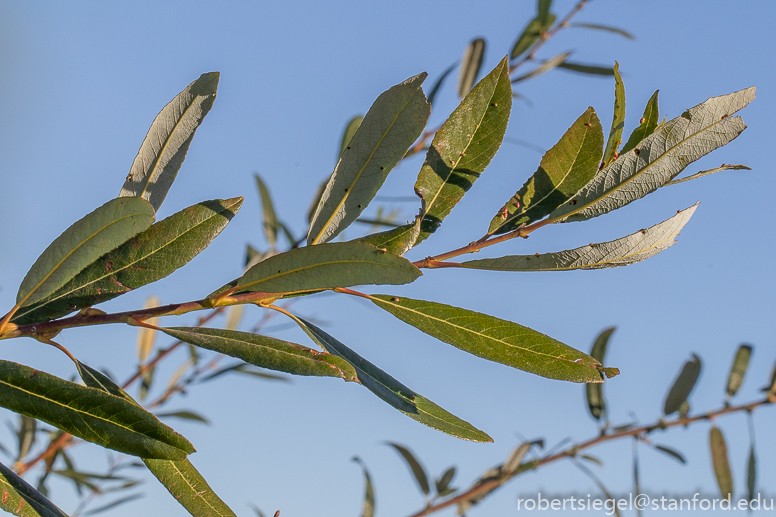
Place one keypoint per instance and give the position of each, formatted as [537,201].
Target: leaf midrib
[194,490]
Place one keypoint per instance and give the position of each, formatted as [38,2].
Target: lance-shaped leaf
[395,393]
[269,219]
[582,68]
[418,472]
[19,498]
[618,120]
[463,147]
[88,413]
[26,434]
[545,67]
[564,169]
[335,264]
[470,65]
[719,459]
[165,146]
[595,392]
[148,257]
[659,158]
[85,241]
[438,84]
[392,124]
[605,28]
[738,370]
[647,125]
[751,473]
[350,130]
[397,241]
[683,385]
[495,339]
[671,452]
[531,34]
[621,252]
[368,509]
[265,352]
[442,483]
[188,487]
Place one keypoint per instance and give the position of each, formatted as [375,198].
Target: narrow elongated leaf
[708,172]
[350,130]
[397,241]
[392,124]
[606,28]
[188,487]
[719,459]
[443,483]
[265,352]
[671,452]
[165,146]
[531,34]
[621,252]
[751,473]
[148,257]
[683,385]
[336,264]
[395,393]
[368,509]
[438,84]
[647,124]
[19,498]
[113,504]
[269,218]
[85,241]
[184,415]
[546,66]
[738,370]
[495,339]
[564,169]
[594,392]
[26,434]
[587,69]
[659,158]
[146,336]
[88,413]
[418,472]
[618,120]
[543,8]
[463,147]
[470,65]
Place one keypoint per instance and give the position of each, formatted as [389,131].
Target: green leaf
[113,504]
[531,35]
[543,8]
[88,413]
[185,415]
[494,339]
[350,130]
[438,84]
[369,495]
[546,66]
[606,28]
[265,352]
[397,241]
[595,392]
[19,498]
[443,483]
[392,124]
[738,370]
[683,385]
[659,158]
[647,125]
[269,219]
[751,473]
[621,252]
[85,241]
[188,487]
[26,434]
[165,146]
[336,264]
[463,147]
[671,452]
[564,169]
[618,120]
[418,472]
[470,65]
[96,379]
[583,68]
[393,392]
[245,369]
[592,459]
[148,257]
[719,458]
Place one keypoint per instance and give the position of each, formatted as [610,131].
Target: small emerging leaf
[683,385]
[471,63]
[738,370]
[719,458]
[647,125]
[417,469]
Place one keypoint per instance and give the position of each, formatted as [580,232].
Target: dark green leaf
[113,504]
[719,458]
[546,66]
[531,35]
[85,241]
[647,124]
[443,483]
[336,264]
[470,65]
[397,241]
[395,393]
[618,120]
[148,257]
[19,498]
[417,469]
[269,218]
[738,369]
[751,473]
[543,9]
[369,495]
[683,385]
[350,130]
[595,393]
[165,146]
[463,147]
[185,415]
[495,339]
[583,68]
[671,452]
[564,169]
[88,413]
[96,379]
[392,124]
[438,84]
[189,488]
[606,28]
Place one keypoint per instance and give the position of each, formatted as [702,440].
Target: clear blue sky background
[80,83]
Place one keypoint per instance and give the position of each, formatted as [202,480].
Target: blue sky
[81,82]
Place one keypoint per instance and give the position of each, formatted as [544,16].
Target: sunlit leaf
[369,492]
[392,124]
[495,339]
[606,28]
[531,35]
[618,120]
[418,472]
[683,385]
[471,63]
[738,370]
[546,66]
[350,130]
[19,498]
[719,458]
[397,241]
[594,392]
[189,488]
[165,146]
[269,218]
[671,452]
[647,124]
